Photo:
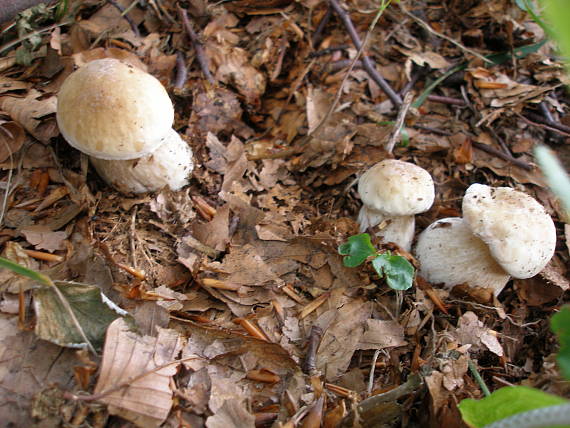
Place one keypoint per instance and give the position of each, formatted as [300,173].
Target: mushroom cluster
[392,193]
[122,118]
[503,233]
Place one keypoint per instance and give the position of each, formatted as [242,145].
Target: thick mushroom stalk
[169,165]
[392,192]
[122,118]
[450,254]
[391,229]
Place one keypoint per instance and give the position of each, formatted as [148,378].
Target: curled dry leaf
[133,361]
[31,112]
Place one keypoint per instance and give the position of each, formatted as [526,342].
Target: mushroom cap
[399,230]
[450,254]
[396,188]
[169,165]
[113,110]
[517,229]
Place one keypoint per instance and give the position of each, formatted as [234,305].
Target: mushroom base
[169,165]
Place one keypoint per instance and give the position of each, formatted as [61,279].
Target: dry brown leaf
[31,112]
[471,331]
[46,240]
[147,400]
[8,84]
[12,137]
[379,334]
[342,336]
[231,63]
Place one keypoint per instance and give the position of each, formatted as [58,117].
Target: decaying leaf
[135,373]
[93,311]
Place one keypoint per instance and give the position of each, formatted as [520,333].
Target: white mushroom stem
[450,254]
[396,229]
[169,165]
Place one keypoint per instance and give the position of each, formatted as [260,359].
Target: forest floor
[246,315]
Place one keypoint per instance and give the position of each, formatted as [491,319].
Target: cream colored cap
[450,254]
[517,229]
[112,110]
[396,188]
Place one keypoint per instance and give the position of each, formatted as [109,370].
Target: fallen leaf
[133,362]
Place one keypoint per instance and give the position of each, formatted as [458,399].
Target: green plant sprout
[397,270]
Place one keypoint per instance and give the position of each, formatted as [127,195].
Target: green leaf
[503,403]
[557,179]
[398,270]
[92,309]
[560,324]
[24,271]
[557,14]
[356,250]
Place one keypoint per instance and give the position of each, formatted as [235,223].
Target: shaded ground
[242,280]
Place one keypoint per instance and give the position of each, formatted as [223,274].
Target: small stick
[539,125]
[372,369]
[408,98]
[40,255]
[252,329]
[539,119]
[126,16]
[310,362]
[320,27]
[500,154]
[197,44]
[446,100]
[220,285]
[312,306]
[328,51]
[181,71]
[367,64]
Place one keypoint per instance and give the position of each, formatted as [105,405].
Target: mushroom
[450,254]
[519,233]
[122,118]
[503,233]
[169,165]
[392,192]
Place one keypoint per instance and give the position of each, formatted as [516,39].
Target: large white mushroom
[516,228]
[122,118]
[504,233]
[392,192]
[450,254]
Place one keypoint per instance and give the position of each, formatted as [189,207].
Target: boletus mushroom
[503,233]
[122,118]
[392,192]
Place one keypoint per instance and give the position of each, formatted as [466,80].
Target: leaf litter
[246,315]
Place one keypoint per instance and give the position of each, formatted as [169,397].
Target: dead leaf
[31,112]
[134,361]
[471,331]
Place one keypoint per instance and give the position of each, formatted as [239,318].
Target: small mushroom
[392,192]
[450,254]
[519,233]
[115,112]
